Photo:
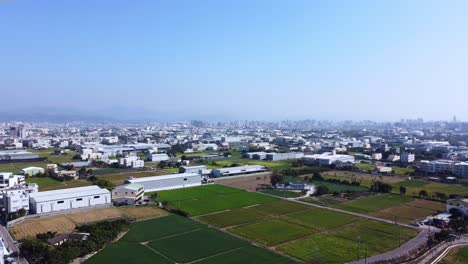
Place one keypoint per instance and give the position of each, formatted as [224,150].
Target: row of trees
[38,251]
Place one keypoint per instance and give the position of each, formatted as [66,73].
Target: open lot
[48,184]
[142,212]
[211,198]
[174,239]
[17,166]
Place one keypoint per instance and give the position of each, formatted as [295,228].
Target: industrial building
[8,180]
[17,198]
[232,171]
[193,169]
[65,199]
[284,156]
[168,182]
[327,158]
[128,194]
[13,155]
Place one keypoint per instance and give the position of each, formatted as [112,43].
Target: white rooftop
[68,193]
[162,177]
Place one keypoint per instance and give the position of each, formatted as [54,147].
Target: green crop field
[16,167]
[281,193]
[233,217]
[402,171]
[341,245]
[335,187]
[320,219]
[374,203]
[252,214]
[174,239]
[365,166]
[414,186]
[272,232]
[211,198]
[43,181]
[323,200]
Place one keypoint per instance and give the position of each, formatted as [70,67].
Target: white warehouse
[65,199]
[168,182]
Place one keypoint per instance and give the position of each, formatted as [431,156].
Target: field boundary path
[403,250]
[436,254]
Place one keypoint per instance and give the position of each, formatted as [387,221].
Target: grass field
[119,178]
[174,239]
[414,186]
[48,154]
[374,203]
[456,256]
[18,166]
[143,212]
[43,182]
[211,198]
[366,166]
[323,200]
[48,185]
[284,194]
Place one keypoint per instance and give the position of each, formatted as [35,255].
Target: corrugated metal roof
[68,193]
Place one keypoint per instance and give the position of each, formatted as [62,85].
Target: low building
[461,204]
[407,157]
[327,159]
[8,180]
[193,169]
[377,156]
[32,171]
[168,182]
[383,169]
[157,157]
[233,171]
[65,199]
[62,238]
[128,194]
[18,198]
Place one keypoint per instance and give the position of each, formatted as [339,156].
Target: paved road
[11,245]
[436,254]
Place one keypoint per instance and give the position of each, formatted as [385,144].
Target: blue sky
[380,60]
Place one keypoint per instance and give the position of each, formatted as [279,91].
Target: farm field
[48,185]
[284,194]
[174,239]
[67,222]
[374,203]
[335,187]
[17,166]
[48,154]
[119,178]
[414,186]
[324,200]
[366,166]
[403,209]
[340,245]
[142,212]
[250,182]
[456,256]
[211,198]
[295,229]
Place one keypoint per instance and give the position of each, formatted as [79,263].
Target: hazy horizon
[240,60]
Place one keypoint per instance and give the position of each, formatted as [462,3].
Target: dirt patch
[143,212]
[251,182]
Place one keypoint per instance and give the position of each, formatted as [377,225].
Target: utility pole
[359,246]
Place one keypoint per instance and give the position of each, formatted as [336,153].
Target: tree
[162,164]
[402,190]
[103,183]
[317,176]
[455,213]
[423,193]
[21,212]
[440,196]
[380,187]
[321,190]
[276,178]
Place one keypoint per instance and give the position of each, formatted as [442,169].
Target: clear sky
[241,59]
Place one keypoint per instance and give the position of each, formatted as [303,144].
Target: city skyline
[229,61]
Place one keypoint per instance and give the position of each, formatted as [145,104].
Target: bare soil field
[67,222]
[95,215]
[437,206]
[250,182]
[143,212]
[32,227]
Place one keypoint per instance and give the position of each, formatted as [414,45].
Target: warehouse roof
[68,193]
[241,168]
[163,177]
